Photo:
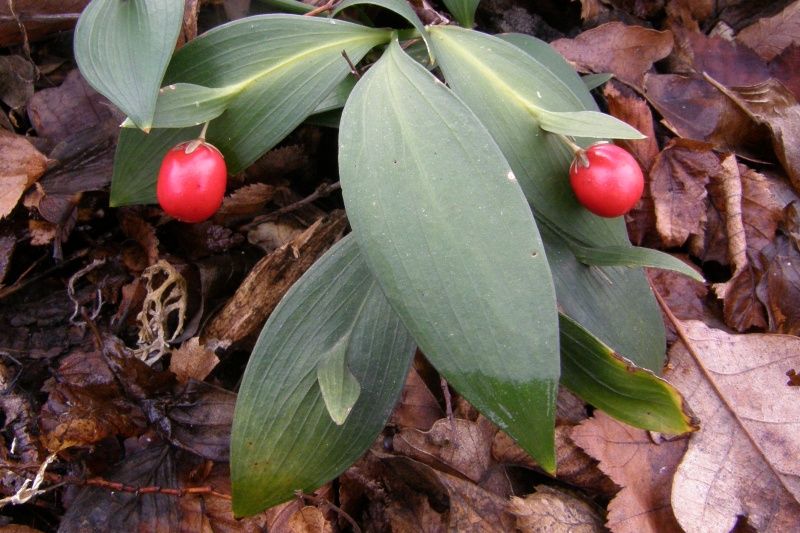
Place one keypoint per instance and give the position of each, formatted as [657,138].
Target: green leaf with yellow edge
[446,230]
[614,384]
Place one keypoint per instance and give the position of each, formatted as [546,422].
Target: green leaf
[445,229]
[401,7]
[136,162]
[288,6]
[278,69]
[283,438]
[593,81]
[340,388]
[337,97]
[632,256]
[184,104]
[612,383]
[498,81]
[122,49]
[591,124]
[463,11]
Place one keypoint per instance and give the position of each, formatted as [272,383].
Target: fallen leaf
[743,461]
[200,420]
[20,166]
[550,510]
[100,509]
[694,109]
[17,75]
[773,106]
[270,236]
[627,51]
[192,361]
[741,307]
[678,186]
[574,466]
[786,68]
[684,296]
[769,36]
[458,446]
[417,408]
[627,106]
[244,314]
[245,201]
[778,288]
[309,519]
[59,18]
[142,233]
[8,242]
[643,469]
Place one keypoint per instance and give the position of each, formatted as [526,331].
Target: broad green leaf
[283,438]
[463,11]
[279,68]
[288,6]
[585,124]
[498,81]
[593,81]
[122,49]
[612,383]
[339,387]
[136,162]
[401,7]
[337,97]
[183,104]
[632,256]
[446,230]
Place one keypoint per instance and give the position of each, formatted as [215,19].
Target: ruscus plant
[467,240]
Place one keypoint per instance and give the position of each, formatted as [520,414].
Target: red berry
[191,181]
[608,181]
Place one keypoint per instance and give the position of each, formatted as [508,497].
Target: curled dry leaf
[309,519]
[678,186]
[643,469]
[685,296]
[574,466]
[778,288]
[192,361]
[460,446]
[769,36]
[200,420]
[626,51]
[20,166]
[141,232]
[17,76]
[550,510]
[743,461]
[418,407]
[773,106]
[245,201]
[694,109]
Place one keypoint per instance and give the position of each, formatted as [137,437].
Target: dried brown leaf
[272,235]
[643,469]
[743,461]
[774,106]
[678,186]
[73,106]
[192,361]
[770,36]
[626,51]
[20,166]
[685,296]
[17,75]
[142,233]
[244,314]
[309,519]
[37,28]
[418,408]
[245,201]
[778,288]
[574,466]
[200,420]
[694,109]
[550,510]
[786,68]
[457,446]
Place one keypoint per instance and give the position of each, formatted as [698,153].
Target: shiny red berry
[606,180]
[191,182]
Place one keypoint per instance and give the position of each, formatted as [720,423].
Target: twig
[19,285]
[353,70]
[322,501]
[448,403]
[323,190]
[327,6]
